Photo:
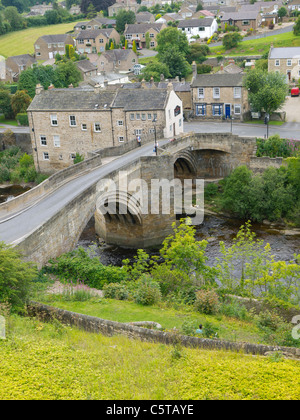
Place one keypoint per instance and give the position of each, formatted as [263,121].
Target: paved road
[29,220]
[264,35]
[287,130]
[15,129]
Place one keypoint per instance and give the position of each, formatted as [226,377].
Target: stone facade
[47,46]
[218,96]
[94,41]
[244,20]
[64,122]
[137,33]
[117,60]
[124,5]
[15,65]
[286,61]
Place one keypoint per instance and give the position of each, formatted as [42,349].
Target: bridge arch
[185,164]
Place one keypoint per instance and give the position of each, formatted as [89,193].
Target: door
[50,55]
[227,111]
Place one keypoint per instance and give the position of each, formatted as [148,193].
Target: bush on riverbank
[275,146]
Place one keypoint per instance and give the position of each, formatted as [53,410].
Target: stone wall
[260,164]
[21,140]
[110,328]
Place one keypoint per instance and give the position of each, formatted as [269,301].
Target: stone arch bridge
[51,223]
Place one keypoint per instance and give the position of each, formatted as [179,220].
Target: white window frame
[82,127]
[240,109]
[131,117]
[95,128]
[201,93]
[138,116]
[56,140]
[289,62]
[277,63]
[120,123]
[54,120]
[43,139]
[72,118]
[121,139]
[216,93]
[46,156]
[138,131]
[237,92]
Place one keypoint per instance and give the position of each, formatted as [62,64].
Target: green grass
[259,46]
[262,122]
[127,311]
[22,42]
[4,122]
[53,362]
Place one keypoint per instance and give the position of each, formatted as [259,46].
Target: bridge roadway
[13,229]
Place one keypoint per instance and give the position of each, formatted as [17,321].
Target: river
[9,192]
[214,229]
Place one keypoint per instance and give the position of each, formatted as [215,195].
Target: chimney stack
[39,89]
[194,67]
[97,88]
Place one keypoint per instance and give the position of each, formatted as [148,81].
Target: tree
[124,17]
[197,53]
[134,47]
[15,277]
[98,4]
[65,74]
[281,13]
[231,40]
[52,17]
[20,101]
[169,38]
[176,62]
[199,7]
[91,11]
[267,91]
[296,28]
[5,104]
[28,82]
[13,18]
[155,70]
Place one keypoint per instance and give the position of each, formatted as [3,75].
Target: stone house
[96,23]
[145,17]
[293,6]
[64,122]
[41,9]
[244,20]
[16,64]
[137,32]
[218,96]
[127,5]
[285,60]
[117,60]
[198,28]
[94,41]
[86,68]
[47,46]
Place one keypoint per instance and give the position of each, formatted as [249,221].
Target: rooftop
[195,22]
[285,52]
[218,80]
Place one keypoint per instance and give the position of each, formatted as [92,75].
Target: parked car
[295,91]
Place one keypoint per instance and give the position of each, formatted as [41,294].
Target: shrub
[210,190]
[209,330]
[22,119]
[115,291]
[189,328]
[207,301]
[147,291]
[235,310]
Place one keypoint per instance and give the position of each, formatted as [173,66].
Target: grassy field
[127,311]
[22,42]
[4,122]
[259,46]
[53,362]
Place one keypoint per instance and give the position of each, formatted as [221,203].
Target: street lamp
[155,143]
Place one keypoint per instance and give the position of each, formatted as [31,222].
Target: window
[151,35]
[237,91]
[217,110]
[83,127]
[138,131]
[121,139]
[277,63]
[37,47]
[56,141]
[201,110]
[72,156]
[288,62]
[43,140]
[60,157]
[152,44]
[149,116]
[201,93]
[53,118]
[72,121]
[237,109]
[143,117]
[201,29]
[131,117]
[97,127]
[216,92]
[138,116]
[46,156]
[120,123]
[245,22]
[180,122]
[80,41]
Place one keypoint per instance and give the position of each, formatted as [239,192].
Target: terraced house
[64,122]
[94,41]
[137,32]
[218,96]
[47,46]
[286,61]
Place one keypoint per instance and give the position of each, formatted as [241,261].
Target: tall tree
[13,17]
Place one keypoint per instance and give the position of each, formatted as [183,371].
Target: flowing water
[11,191]
[214,229]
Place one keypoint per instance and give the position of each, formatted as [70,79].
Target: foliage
[124,17]
[78,158]
[5,103]
[15,277]
[155,70]
[282,12]
[197,53]
[204,68]
[20,101]
[117,291]
[210,330]
[207,301]
[275,146]
[147,291]
[22,119]
[296,28]
[231,40]
[79,265]
[267,91]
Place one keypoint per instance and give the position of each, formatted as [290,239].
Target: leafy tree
[53,17]
[155,70]
[98,4]
[5,104]
[267,91]
[65,74]
[20,101]
[15,277]
[175,60]
[124,17]
[282,12]
[231,40]
[169,38]
[197,53]
[134,47]
[13,18]
[27,82]
[91,11]
[296,28]
[199,7]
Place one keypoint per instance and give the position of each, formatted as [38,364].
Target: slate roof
[140,99]
[94,33]
[194,23]
[142,28]
[241,15]
[54,39]
[71,100]
[23,59]
[115,55]
[86,65]
[285,52]
[218,80]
